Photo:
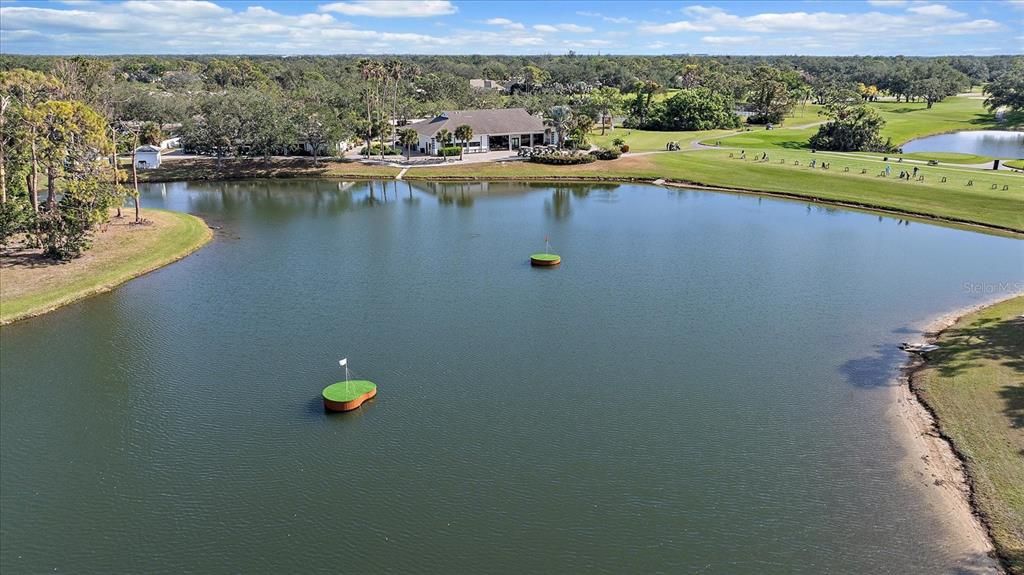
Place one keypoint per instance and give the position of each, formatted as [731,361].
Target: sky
[811,27]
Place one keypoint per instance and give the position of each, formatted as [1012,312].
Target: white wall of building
[147,160]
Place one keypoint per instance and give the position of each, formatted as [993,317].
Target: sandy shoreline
[931,463]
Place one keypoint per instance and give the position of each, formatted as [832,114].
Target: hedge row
[562,159]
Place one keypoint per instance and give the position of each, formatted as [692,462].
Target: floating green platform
[545,259]
[348,395]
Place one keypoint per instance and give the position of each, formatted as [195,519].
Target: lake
[991,143]
[700,387]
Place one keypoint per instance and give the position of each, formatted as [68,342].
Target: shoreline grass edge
[676,183]
[671,182]
[190,230]
[942,396]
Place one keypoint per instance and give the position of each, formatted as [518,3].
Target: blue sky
[884,27]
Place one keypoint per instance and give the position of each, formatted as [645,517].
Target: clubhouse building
[493,130]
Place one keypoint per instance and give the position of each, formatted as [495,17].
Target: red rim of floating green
[348,390]
[546,257]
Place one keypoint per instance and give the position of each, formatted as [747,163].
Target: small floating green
[545,259]
[348,395]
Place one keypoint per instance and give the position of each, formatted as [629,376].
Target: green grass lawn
[904,121]
[651,141]
[34,285]
[1016,164]
[975,386]
[804,114]
[953,199]
[348,390]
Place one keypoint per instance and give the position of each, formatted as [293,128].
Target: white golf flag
[343,362]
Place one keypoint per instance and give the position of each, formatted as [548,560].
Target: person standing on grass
[888,170]
[915,171]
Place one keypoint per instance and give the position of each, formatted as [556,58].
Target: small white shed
[147,157]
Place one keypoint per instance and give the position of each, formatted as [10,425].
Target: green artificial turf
[545,257]
[348,390]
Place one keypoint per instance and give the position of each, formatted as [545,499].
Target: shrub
[448,151]
[375,151]
[562,159]
[16,216]
[624,148]
[606,154]
[618,142]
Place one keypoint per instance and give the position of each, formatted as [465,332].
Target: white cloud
[552,28]
[729,39]
[936,11]
[391,8]
[180,8]
[612,19]
[887,3]
[675,27]
[575,28]
[202,27]
[176,27]
[960,28]
[505,23]
[526,41]
[867,25]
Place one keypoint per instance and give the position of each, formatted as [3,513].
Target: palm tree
[464,133]
[367,69]
[443,137]
[579,127]
[408,138]
[609,101]
[558,118]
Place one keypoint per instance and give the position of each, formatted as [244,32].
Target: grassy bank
[975,387]
[953,200]
[33,285]
[947,157]
[195,169]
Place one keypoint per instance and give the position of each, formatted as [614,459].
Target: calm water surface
[992,143]
[700,388]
